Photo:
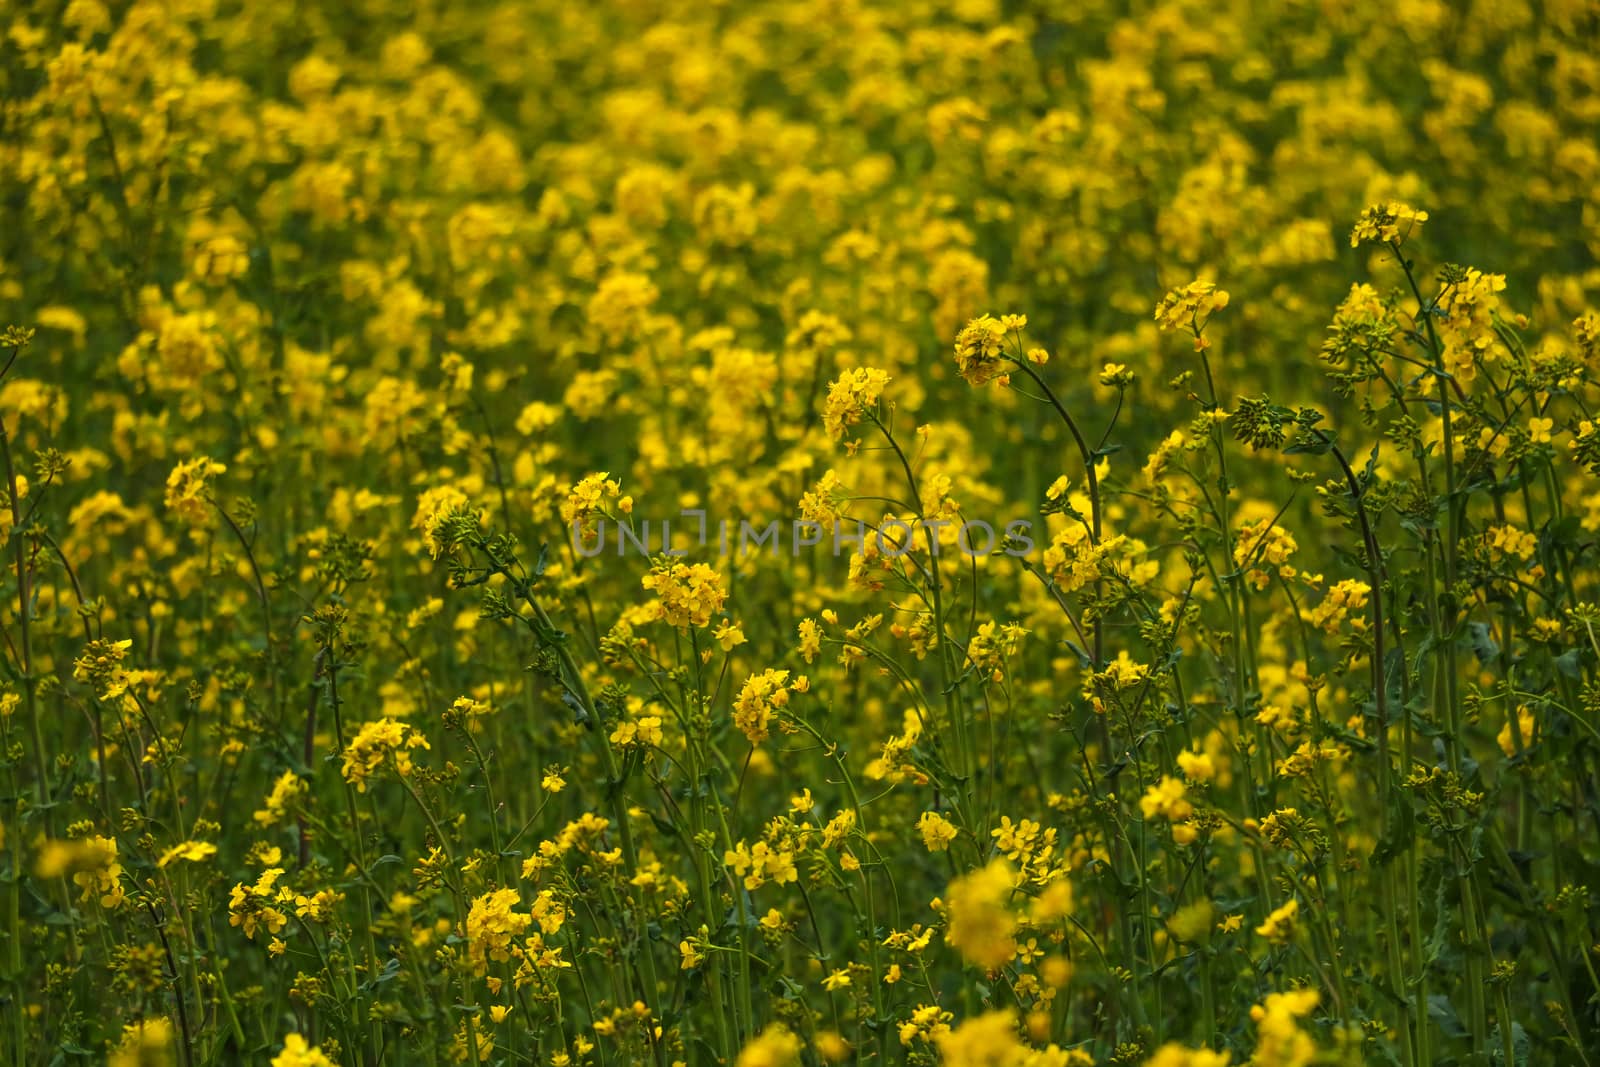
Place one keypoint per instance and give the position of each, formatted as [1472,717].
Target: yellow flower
[297,1053]
[192,851]
[586,499]
[1387,223]
[729,635]
[285,791]
[1519,741]
[148,1041]
[1279,1040]
[375,742]
[980,920]
[189,491]
[928,1022]
[810,639]
[852,393]
[433,508]
[1508,542]
[762,697]
[101,665]
[1113,374]
[1166,800]
[980,351]
[1196,766]
[1263,549]
[773,1047]
[1279,926]
[251,907]
[990,1038]
[220,259]
[492,925]
[831,1047]
[620,306]
[1176,1055]
[686,594]
[643,733]
[1190,307]
[759,863]
[1192,922]
[95,866]
[937,831]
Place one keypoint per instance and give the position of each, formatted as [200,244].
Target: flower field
[800,532]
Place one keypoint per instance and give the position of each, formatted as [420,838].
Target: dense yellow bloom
[980,347]
[775,1046]
[220,259]
[760,863]
[98,872]
[1263,549]
[1280,924]
[1467,326]
[1175,1055]
[374,743]
[928,1022]
[1388,223]
[852,393]
[810,639]
[992,644]
[990,1038]
[980,924]
[762,697]
[1509,542]
[687,594]
[1190,308]
[1279,1040]
[433,507]
[252,907]
[285,791]
[146,1042]
[1197,766]
[1074,560]
[1166,800]
[101,664]
[1344,601]
[298,1053]
[620,305]
[493,923]
[189,491]
[586,500]
[937,831]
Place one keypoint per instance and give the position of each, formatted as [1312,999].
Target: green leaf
[1482,641]
[1443,1013]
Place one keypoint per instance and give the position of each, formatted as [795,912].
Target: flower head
[851,393]
[189,491]
[980,349]
[1389,223]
